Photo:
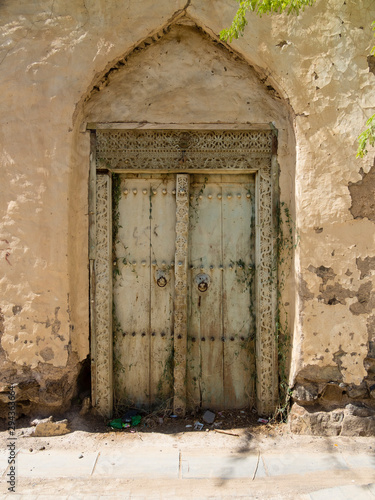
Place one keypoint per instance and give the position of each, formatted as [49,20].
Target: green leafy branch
[366,138]
[368,135]
[260,7]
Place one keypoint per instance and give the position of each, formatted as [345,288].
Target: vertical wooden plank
[206,306]
[132,294]
[193,356]
[163,232]
[180,299]
[238,286]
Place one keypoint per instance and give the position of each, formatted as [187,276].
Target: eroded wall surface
[56,56]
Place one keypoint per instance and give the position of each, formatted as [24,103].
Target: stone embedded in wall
[357,391]
[319,374]
[309,421]
[306,393]
[326,388]
[332,394]
[353,420]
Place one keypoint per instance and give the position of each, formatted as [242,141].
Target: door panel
[143,309]
[221,327]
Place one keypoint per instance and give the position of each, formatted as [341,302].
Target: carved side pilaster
[180,301]
[103,296]
[266,297]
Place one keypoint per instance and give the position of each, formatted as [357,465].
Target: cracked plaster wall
[51,55]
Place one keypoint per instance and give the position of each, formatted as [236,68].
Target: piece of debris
[173,416]
[198,426]
[209,417]
[136,420]
[48,427]
[262,420]
[189,425]
[117,423]
[131,421]
[129,415]
[86,405]
[227,432]
[256,467]
[161,420]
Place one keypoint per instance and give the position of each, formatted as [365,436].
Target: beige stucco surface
[53,54]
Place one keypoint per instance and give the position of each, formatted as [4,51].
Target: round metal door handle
[162,281]
[203,281]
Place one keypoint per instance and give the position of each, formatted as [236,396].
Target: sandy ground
[232,430]
[241,434]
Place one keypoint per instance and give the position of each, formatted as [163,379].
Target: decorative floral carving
[103,294]
[162,150]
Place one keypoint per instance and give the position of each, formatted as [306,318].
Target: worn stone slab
[347,492]
[301,463]
[198,465]
[142,463]
[53,464]
[360,460]
[4,454]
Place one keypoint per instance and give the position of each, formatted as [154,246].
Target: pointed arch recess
[125,146]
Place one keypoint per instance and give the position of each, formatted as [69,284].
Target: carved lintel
[180,300]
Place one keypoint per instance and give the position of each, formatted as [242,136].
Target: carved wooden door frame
[139,148]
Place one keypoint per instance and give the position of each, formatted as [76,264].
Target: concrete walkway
[154,472]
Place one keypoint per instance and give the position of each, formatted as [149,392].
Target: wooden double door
[220,360]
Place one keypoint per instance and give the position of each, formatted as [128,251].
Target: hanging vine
[286,243]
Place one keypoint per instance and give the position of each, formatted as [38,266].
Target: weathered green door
[220,362]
